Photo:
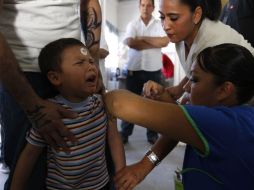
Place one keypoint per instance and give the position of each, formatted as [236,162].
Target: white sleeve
[130,31]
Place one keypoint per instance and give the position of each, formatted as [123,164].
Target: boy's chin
[92,91]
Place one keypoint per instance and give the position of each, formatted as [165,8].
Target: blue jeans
[15,125]
[134,83]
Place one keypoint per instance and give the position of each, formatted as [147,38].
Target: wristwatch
[153,157]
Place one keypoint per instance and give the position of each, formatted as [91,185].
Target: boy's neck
[74,99]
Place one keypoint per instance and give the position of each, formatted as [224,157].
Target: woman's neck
[190,39]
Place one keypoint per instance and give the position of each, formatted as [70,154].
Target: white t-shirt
[211,33]
[29,25]
[149,59]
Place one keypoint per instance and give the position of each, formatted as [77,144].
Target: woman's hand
[156,91]
[175,92]
[130,176]
[152,90]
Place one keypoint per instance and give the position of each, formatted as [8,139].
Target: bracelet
[153,157]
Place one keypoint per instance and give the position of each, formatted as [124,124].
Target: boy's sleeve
[34,138]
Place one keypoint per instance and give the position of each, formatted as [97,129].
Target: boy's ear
[226,91]
[197,15]
[54,78]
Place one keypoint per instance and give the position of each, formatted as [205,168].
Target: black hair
[211,8]
[50,56]
[150,0]
[233,63]
[50,59]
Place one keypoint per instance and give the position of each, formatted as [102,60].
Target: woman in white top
[194,26]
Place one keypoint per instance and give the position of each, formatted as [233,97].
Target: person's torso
[210,34]
[229,134]
[85,167]
[148,59]
[29,25]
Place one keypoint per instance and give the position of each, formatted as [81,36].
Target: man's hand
[47,117]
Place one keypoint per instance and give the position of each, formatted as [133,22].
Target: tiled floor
[161,178]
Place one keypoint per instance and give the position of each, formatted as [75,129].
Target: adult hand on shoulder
[46,118]
[130,176]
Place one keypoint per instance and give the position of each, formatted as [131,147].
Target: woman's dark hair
[211,8]
[50,56]
[233,63]
[50,59]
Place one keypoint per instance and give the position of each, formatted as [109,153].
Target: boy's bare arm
[25,166]
[115,145]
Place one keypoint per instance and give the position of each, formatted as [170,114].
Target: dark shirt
[239,14]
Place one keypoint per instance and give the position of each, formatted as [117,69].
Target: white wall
[111,11]
[127,11]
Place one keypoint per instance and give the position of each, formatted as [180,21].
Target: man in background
[145,38]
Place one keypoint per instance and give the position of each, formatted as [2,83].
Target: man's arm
[145,42]
[156,42]
[91,19]
[137,43]
[103,53]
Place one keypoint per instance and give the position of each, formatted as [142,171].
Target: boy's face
[79,74]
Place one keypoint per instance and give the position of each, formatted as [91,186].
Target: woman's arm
[165,118]
[155,91]
[132,175]
[115,145]
[25,166]
[177,91]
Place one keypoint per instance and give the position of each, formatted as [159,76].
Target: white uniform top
[211,33]
[149,59]
[29,25]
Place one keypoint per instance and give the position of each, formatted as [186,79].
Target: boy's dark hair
[50,56]
[233,63]
[50,59]
[211,8]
